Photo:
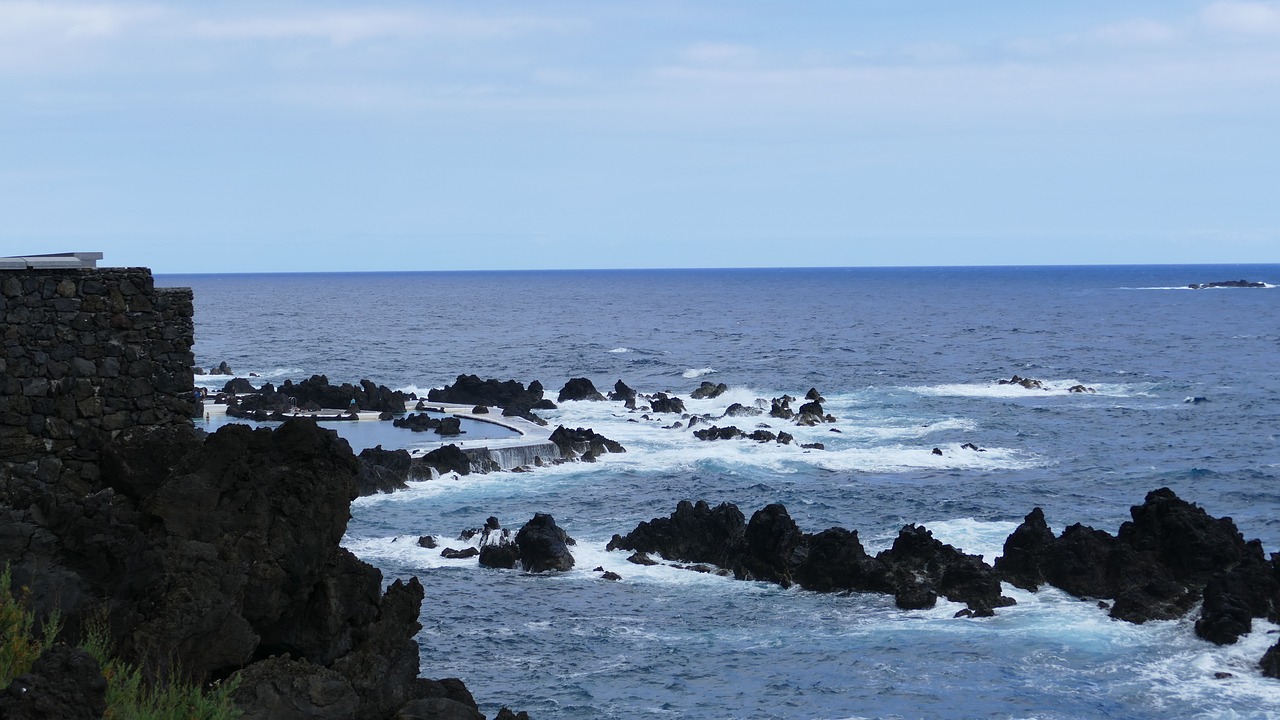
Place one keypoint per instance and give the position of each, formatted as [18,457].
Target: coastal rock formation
[781,408]
[579,389]
[363,396]
[583,443]
[313,394]
[922,566]
[383,471]
[708,390]
[662,403]
[64,683]
[740,410]
[422,422]
[217,553]
[1227,284]
[514,399]
[544,545]
[623,393]
[238,386]
[729,432]
[771,548]
[447,459]
[695,532]
[1170,556]
[1027,383]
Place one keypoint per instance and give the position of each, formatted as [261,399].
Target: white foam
[418,390]
[1052,388]
[867,441]
[1265,286]
[900,458]
[620,350]
[697,372]
[974,537]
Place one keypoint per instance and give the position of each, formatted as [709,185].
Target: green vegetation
[19,644]
[129,696]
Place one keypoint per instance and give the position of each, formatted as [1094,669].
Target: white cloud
[1250,18]
[1136,32]
[59,21]
[934,53]
[710,53]
[343,28]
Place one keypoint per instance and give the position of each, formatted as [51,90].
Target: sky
[322,136]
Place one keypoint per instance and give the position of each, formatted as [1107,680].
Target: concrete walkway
[532,444]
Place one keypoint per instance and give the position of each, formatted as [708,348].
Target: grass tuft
[129,696]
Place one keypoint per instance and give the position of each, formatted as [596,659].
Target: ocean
[908,360]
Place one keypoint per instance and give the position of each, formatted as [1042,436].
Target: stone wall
[85,354]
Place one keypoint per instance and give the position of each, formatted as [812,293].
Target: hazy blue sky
[246,136]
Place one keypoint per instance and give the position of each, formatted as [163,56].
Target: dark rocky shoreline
[1171,557]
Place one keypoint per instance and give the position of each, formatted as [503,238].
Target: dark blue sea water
[907,359]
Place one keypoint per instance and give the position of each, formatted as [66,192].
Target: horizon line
[704,269]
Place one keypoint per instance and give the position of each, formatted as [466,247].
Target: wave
[697,372]
[1052,388]
[620,350]
[975,537]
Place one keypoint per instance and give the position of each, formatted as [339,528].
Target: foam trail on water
[620,350]
[1052,388]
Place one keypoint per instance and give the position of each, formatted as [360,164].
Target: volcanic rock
[624,394]
[64,683]
[583,442]
[382,471]
[729,432]
[447,459]
[238,386]
[695,532]
[544,545]
[514,399]
[662,403]
[708,391]
[768,544]
[579,389]
[1227,284]
[740,410]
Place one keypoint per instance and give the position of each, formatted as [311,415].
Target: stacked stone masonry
[85,354]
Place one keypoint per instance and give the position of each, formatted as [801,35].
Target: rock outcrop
[583,443]
[663,403]
[771,548]
[709,390]
[623,393]
[216,554]
[579,389]
[383,471]
[1227,284]
[1169,557]
[512,396]
[544,546]
[64,683]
